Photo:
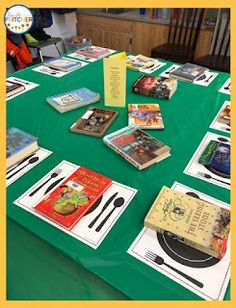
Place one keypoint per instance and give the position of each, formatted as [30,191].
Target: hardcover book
[93,52]
[145,116]
[14,88]
[74,197]
[155,86]
[216,158]
[140,62]
[188,72]
[70,100]
[63,64]
[137,147]
[192,221]
[19,145]
[94,122]
[224,116]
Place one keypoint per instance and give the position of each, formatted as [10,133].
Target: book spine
[122,154]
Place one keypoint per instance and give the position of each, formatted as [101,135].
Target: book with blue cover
[63,64]
[216,158]
[73,99]
[19,145]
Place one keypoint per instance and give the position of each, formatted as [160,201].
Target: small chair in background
[184,29]
[219,58]
[41,44]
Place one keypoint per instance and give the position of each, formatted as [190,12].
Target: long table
[187,116]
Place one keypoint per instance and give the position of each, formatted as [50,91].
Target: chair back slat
[217,34]
[170,29]
[194,15]
[198,27]
[182,28]
[224,37]
[188,19]
[176,26]
[227,47]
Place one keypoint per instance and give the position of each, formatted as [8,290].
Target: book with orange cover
[74,197]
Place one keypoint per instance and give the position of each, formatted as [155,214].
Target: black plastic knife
[50,187]
[103,209]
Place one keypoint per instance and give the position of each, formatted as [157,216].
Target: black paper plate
[184,254]
[217,172]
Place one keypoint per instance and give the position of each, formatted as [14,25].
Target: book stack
[145,116]
[73,99]
[192,221]
[137,147]
[63,64]
[14,88]
[19,146]
[140,62]
[189,72]
[155,86]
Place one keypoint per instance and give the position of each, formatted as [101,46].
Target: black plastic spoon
[117,203]
[31,161]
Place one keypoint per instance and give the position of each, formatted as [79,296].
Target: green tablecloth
[187,117]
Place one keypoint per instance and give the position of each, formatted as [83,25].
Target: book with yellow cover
[140,62]
[195,222]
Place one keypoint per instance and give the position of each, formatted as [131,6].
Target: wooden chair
[218,59]
[182,37]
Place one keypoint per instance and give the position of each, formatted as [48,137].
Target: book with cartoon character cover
[74,197]
[145,116]
[94,122]
[192,221]
[137,147]
[155,86]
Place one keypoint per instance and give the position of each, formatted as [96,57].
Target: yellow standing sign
[115,80]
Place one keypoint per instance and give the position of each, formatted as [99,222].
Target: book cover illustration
[93,52]
[63,63]
[136,146]
[193,221]
[13,88]
[224,116]
[74,197]
[189,72]
[216,158]
[73,99]
[94,122]
[18,140]
[140,62]
[155,86]
[145,116]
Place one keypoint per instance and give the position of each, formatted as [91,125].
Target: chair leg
[40,54]
[57,47]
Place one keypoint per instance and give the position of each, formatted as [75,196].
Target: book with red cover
[74,197]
